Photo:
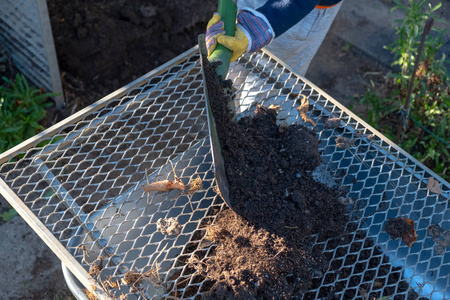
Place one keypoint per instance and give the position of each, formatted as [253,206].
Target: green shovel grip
[227,10]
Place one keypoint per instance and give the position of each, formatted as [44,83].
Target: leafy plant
[425,127]
[22,107]
[409,32]
[8,215]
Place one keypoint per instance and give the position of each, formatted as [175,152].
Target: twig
[405,109]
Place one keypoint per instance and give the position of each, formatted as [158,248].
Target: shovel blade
[219,165]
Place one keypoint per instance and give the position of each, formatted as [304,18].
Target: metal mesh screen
[84,183]
[26,34]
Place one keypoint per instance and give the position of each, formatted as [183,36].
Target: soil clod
[344,142]
[168,226]
[397,227]
[332,123]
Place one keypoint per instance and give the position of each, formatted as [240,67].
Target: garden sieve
[79,185]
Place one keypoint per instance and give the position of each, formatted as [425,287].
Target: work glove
[253,32]
[213,30]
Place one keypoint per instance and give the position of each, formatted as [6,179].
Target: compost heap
[260,250]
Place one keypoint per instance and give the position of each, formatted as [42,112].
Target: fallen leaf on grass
[433,186]
[303,110]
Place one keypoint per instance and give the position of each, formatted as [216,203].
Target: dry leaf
[401,227]
[411,237]
[433,186]
[303,110]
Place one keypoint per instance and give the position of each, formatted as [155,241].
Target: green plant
[8,215]
[409,32]
[22,107]
[424,129]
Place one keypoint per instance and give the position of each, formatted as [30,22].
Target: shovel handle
[227,10]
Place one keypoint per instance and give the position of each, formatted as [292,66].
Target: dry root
[303,110]
[95,269]
[276,108]
[165,185]
[195,184]
[91,294]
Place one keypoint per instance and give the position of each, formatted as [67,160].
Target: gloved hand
[237,44]
[253,32]
[214,29]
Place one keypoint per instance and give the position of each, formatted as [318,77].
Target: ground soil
[276,202]
[103,45]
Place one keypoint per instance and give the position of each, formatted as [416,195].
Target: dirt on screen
[261,251]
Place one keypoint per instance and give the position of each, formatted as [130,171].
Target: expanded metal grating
[79,185]
[26,34]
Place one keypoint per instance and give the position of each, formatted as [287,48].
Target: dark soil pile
[260,251]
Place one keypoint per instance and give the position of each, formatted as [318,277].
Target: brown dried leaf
[433,186]
[411,237]
[303,110]
[401,227]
